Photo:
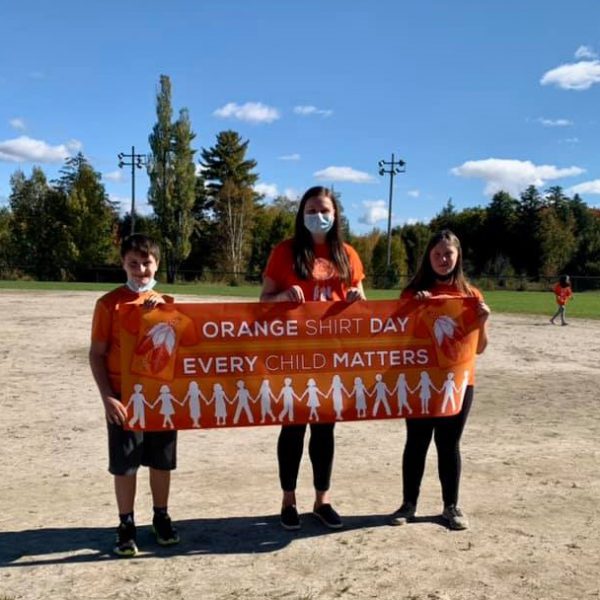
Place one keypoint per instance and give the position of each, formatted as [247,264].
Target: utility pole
[395,167]
[135,160]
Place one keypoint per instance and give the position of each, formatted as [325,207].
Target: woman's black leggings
[320,450]
[447,431]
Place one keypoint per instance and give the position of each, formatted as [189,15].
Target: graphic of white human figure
[335,391]
[312,392]
[193,397]
[288,396]
[139,412]
[166,399]
[401,390]
[381,393]
[219,398]
[463,389]
[425,386]
[243,397]
[265,395]
[360,393]
[449,388]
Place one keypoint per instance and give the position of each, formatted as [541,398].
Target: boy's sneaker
[125,544]
[328,516]
[404,514]
[290,519]
[166,534]
[455,518]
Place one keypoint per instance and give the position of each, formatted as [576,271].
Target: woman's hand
[294,294]
[422,295]
[353,294]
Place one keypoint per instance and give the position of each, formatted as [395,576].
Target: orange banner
[190,366]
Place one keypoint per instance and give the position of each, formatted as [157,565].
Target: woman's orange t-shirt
[325,283]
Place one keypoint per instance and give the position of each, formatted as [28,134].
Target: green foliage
[171,169]
[229,188]
[384,275]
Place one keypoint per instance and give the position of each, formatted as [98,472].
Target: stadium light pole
[133,160]
[395,167]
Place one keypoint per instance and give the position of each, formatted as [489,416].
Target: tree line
[209,220]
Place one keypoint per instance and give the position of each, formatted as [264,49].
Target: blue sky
[475,96]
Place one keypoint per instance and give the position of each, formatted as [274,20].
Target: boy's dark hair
[303,246]
[425,277]
[564,281]
[138,242]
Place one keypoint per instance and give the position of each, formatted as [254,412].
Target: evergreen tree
[230,195]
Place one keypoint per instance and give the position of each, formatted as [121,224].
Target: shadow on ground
[235,535]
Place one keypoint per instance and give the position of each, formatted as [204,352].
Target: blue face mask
[319,222]
[139,289]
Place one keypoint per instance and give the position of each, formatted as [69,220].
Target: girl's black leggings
[447,432]
[320,450]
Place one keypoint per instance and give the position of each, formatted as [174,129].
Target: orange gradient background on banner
[241,364]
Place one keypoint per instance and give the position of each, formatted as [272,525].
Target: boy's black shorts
[127,450]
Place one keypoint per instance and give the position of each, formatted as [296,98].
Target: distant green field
[584,305]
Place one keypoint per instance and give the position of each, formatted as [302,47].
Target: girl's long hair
[303,244]
[425,278]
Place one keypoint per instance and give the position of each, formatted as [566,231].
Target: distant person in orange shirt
[315,265]
[563,292]
[439,274]
[128,450]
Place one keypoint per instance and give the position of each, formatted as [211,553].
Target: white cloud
[116,176]
[555,122]
[343,174]
[294,156]
[587,187]
[291,194]
[375,210]
[251,112]
[26,149]
[512,176]
[312,110]
[17,123]
[269,190]
[574,76]
[414,193]
[585,52]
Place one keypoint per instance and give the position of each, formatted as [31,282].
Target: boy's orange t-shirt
[325,283]
[562,294]
[105,327]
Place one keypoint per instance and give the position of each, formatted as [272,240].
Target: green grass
[584,305]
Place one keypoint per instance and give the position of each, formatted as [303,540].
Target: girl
[440,274]
[563,292]
[315,265]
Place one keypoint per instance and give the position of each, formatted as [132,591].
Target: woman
[315,265]
[440,274]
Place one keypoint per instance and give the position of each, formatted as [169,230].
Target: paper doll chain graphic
[341,398]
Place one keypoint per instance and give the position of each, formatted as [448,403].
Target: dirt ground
[531,485]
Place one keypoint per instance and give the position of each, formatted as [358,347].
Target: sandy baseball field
[531,485]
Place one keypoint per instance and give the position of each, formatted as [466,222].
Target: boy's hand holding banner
[240,364]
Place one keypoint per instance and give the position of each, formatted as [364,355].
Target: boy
[140,257]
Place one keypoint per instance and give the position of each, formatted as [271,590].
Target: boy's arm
[114,409]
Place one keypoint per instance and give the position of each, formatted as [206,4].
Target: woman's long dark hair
[425,278]
[303,245]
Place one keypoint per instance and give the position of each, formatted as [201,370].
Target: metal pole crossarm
[396,166]
[137,160]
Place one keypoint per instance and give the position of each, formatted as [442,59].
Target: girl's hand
[422,295]
[353,294]
[483,312]
[294,294]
